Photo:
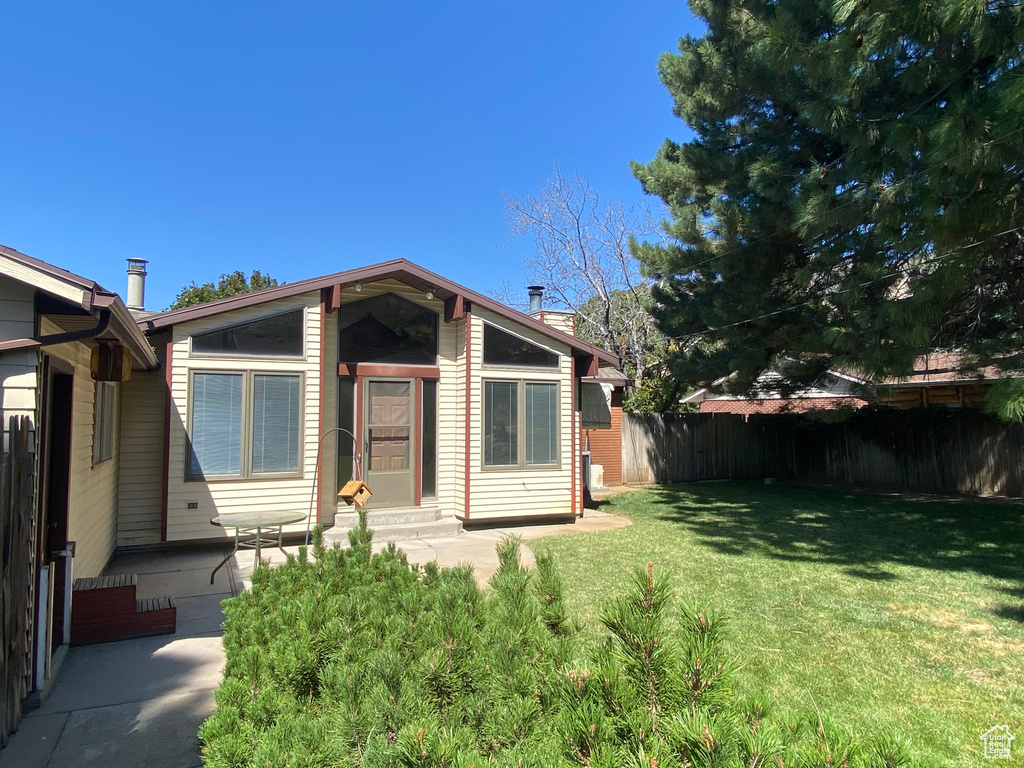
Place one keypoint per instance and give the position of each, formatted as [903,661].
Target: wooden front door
[388,441]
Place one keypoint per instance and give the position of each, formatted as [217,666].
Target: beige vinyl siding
[563,321]
[328,466]
[140,489]
[291,494]
[92,514]
[450,385]
[19,377]
[451,418]
[498,493]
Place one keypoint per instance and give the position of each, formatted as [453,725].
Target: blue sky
[306,138]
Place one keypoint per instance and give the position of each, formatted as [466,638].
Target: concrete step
[378,518]
[446,526]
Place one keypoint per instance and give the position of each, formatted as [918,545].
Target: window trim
[245,356]
[521,465]
[104,422]
[245,473]
[556,368]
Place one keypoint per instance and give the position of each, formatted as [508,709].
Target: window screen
[103,423]
[501,400]
[541,429]
[501,348]
[387,329]
[428,485]
[275,424]
[346,420]
[277,336]
[216,438]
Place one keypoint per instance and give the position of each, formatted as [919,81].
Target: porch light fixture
[429,294]
[358,287]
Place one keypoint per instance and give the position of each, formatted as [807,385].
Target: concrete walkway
[141,702]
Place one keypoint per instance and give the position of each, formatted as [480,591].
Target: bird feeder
[355,492]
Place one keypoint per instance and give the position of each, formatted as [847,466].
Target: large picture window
[387,330]
[244,424]
[520,424]
[275,336]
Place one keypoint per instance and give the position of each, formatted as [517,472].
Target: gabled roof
[80,294]
[942,368]
[401,270]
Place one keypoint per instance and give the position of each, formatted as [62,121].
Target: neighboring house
[831,391]
[51,322]
[602,425]
[455,401]
[938,381]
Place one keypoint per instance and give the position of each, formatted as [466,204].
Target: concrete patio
[141,702]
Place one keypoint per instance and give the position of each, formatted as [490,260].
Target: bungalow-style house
[445,399]
[439,398]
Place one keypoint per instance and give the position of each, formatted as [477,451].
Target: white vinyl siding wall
[93,490]
[19,376]
[285,494]
[140,490]
[527,492]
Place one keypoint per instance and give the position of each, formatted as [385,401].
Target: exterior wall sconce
[429,294]
[358,287]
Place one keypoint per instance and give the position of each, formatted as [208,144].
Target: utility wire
[847,290]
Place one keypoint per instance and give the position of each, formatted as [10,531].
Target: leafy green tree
[852,195]
[232,284]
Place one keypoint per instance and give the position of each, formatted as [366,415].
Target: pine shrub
[347,658]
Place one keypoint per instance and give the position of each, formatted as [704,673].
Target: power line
[847,290]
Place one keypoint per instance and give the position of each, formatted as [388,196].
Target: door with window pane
[388,441]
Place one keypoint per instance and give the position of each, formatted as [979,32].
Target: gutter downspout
[103,322]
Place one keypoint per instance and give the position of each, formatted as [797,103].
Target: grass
[885,612]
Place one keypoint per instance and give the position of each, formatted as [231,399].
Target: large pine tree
[853,193]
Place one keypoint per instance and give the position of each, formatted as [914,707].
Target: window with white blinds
[501,424]
[520,424]
[275,424]
[244,424]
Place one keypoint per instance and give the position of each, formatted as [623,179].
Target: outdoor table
[254,530]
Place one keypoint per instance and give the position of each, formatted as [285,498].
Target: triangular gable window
[501,348]
[387,330]
[276,336]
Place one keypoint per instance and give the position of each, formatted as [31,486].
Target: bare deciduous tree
[581,254]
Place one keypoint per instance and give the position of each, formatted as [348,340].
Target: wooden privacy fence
[16,544]
[960,451]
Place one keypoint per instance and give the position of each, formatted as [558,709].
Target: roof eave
[395,268]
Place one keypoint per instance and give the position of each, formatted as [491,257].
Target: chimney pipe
[536,297]
[136,285]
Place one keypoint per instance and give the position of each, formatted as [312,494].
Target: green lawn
[883,611]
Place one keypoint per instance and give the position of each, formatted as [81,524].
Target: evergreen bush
[353,659]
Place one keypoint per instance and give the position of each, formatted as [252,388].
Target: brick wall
[606,444]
